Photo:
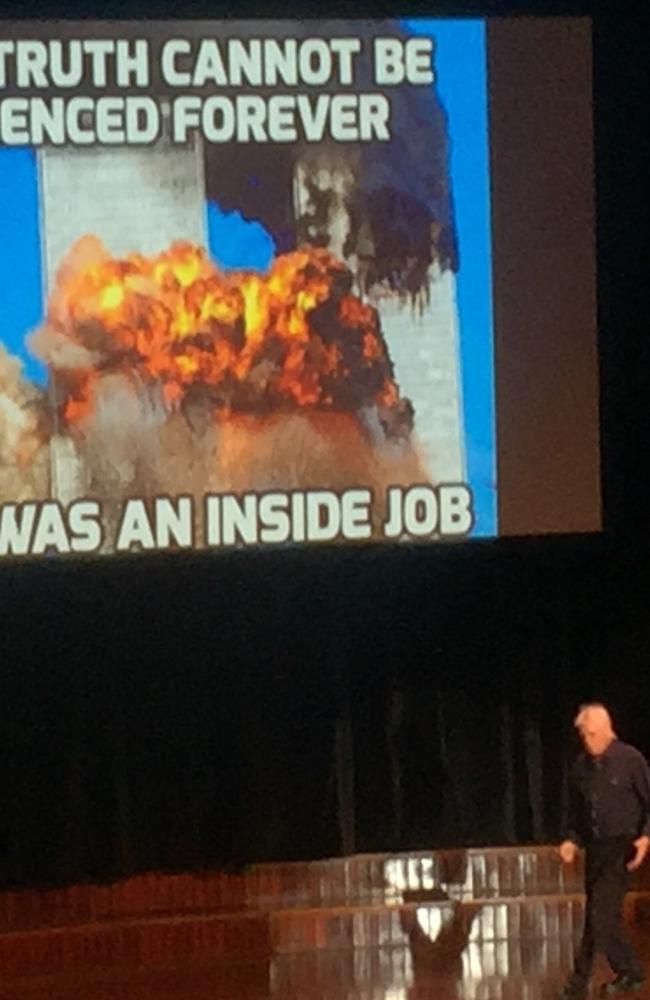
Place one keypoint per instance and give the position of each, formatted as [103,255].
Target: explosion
[169,376]
[292,339]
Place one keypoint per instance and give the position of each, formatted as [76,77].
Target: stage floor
[501,971]
[483,924]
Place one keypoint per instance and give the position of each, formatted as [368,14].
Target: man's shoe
[574,989]
[622,985]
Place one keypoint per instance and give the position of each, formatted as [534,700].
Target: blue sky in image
[20,254]
[235,242]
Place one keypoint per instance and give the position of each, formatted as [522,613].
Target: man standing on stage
[610,817]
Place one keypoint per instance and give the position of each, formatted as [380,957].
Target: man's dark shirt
[610,796]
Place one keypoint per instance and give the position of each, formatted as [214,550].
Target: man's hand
[641,848]
[567,851]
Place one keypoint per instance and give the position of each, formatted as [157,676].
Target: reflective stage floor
[495,924]
[488,972]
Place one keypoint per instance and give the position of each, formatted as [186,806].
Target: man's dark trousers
[606,881]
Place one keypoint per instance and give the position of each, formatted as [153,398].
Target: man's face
[596,738]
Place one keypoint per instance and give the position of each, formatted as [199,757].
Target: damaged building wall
[404,274]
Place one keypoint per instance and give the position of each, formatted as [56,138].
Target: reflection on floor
[498,971]
[490,925]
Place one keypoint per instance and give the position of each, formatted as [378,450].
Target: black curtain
[179,712]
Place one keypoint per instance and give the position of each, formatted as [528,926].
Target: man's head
[594,725]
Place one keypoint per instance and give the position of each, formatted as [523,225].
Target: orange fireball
[290,339]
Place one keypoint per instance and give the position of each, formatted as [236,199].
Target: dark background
[171,712]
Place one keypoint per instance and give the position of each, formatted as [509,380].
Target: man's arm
[572,839]
[574,817]
[641,783]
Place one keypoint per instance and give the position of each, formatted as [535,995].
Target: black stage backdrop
[168,713]
[179,712]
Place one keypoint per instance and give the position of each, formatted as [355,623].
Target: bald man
[610,817]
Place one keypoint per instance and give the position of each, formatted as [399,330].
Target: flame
[290,339]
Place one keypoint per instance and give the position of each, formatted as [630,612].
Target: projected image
[247,291]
